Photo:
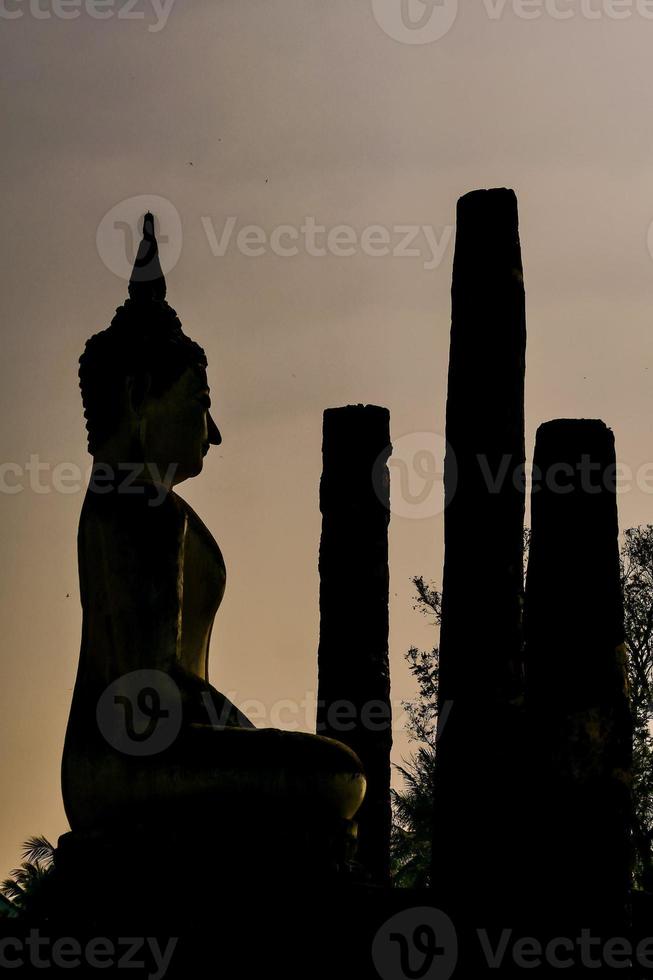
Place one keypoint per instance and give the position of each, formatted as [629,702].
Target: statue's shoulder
[136,510]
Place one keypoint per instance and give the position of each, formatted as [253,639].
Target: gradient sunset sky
[269,113]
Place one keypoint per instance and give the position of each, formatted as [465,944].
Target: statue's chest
[204,577]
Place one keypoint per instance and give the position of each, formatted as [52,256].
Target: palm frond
[11,890]
[38,850]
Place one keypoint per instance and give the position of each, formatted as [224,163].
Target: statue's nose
[213,431]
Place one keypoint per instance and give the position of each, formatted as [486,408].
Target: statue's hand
[204,705]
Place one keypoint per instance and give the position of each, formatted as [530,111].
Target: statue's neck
[107,475]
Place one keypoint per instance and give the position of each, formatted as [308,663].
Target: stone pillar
[576,684]
[480,682]
[354,678]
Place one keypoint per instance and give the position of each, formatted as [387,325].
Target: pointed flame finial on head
[147,281]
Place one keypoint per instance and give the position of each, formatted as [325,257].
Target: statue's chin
[188,471]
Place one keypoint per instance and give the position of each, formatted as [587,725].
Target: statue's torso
[151,581]
[204,578]
[152,578]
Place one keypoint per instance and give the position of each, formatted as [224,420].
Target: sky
[287,117]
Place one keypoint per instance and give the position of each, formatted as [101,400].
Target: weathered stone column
[354,679]
[576,684]
[475,819]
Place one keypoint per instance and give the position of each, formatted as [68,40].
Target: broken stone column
[354,678]
[576,684]
[480,684]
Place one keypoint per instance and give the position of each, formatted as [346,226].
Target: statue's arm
[131,558]
[205,705]
[131,562]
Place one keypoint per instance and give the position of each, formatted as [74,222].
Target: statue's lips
[205,448]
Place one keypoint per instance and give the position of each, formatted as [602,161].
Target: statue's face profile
[175,428]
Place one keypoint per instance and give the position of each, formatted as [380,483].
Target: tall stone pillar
[354,678]
[576,684]
[480,683]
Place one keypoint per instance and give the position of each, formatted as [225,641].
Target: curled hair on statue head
[144,340]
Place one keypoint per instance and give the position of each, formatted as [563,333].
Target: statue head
[144,384]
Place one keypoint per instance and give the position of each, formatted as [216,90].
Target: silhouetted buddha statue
[149,741]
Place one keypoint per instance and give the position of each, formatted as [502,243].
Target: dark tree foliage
[637,586]
[29,890]
[413,804]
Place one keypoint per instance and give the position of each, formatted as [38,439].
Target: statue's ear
[138,388]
